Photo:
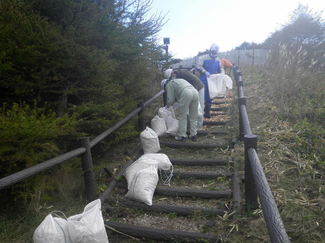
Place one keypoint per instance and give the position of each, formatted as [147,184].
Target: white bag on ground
[169,116]
[139,164]
[143,185]
[158,124]
[162,159]
[88,226]
[52,230]
[149,141]
[165,167]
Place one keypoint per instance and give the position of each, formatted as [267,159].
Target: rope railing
[256,185]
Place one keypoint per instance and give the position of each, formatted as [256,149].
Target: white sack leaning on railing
[218,85]
[142,176]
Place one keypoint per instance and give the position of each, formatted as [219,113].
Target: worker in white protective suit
[180,91]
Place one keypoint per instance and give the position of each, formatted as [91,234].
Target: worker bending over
[180,91]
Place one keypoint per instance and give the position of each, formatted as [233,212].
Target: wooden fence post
[141,122]
[250,141]
[241,101]
[87,167]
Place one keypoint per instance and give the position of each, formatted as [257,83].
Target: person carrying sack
[209,66]
[180,91]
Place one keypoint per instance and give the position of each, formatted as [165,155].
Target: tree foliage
[90,61]
[70,52]
[297,64]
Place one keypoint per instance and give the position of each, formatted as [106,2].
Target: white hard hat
[168,73]
[214,49]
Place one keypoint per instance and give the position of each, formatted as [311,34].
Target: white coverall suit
[181,91]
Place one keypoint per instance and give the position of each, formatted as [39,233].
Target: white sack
[51,230]
[200,117]
[88,226]
[143,185]
[218,84]
[149,141]
[158,124]
[165,167]
[162,159]
[139,164]
[171,122]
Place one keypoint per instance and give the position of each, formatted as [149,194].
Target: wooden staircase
[204,187]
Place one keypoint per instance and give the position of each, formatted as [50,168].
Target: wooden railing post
[250,141]
[241,101]
[87,167]
[141,122]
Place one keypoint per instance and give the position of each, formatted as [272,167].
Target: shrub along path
[201,191]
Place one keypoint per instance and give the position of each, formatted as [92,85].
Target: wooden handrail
[24,174]
[109,131]
[270,210]
[256,184]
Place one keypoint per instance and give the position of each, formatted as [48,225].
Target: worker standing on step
[209,66]
[198,85]
[180,91]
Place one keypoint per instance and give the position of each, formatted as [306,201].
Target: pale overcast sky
[193,25]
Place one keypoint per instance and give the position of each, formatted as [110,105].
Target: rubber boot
[207,108]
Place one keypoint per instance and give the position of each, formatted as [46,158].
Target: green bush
[30,136]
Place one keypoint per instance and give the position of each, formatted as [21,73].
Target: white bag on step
[88,226]
[171,122]
[143,185]
[149,141]
[52,230]
[165,167]
[162,159]
[158,124]
[136,166]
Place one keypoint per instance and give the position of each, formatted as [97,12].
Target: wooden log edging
[187,192]
[219,102]
[164,208]
[205,133]
[192,145]
[214,123]
[219,109]
[160,234]
[198,162]
[200,175]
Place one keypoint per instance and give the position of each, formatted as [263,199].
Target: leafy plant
[30,136]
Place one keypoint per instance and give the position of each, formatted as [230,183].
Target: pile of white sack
[81,228]
[142,176]
[166,121]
